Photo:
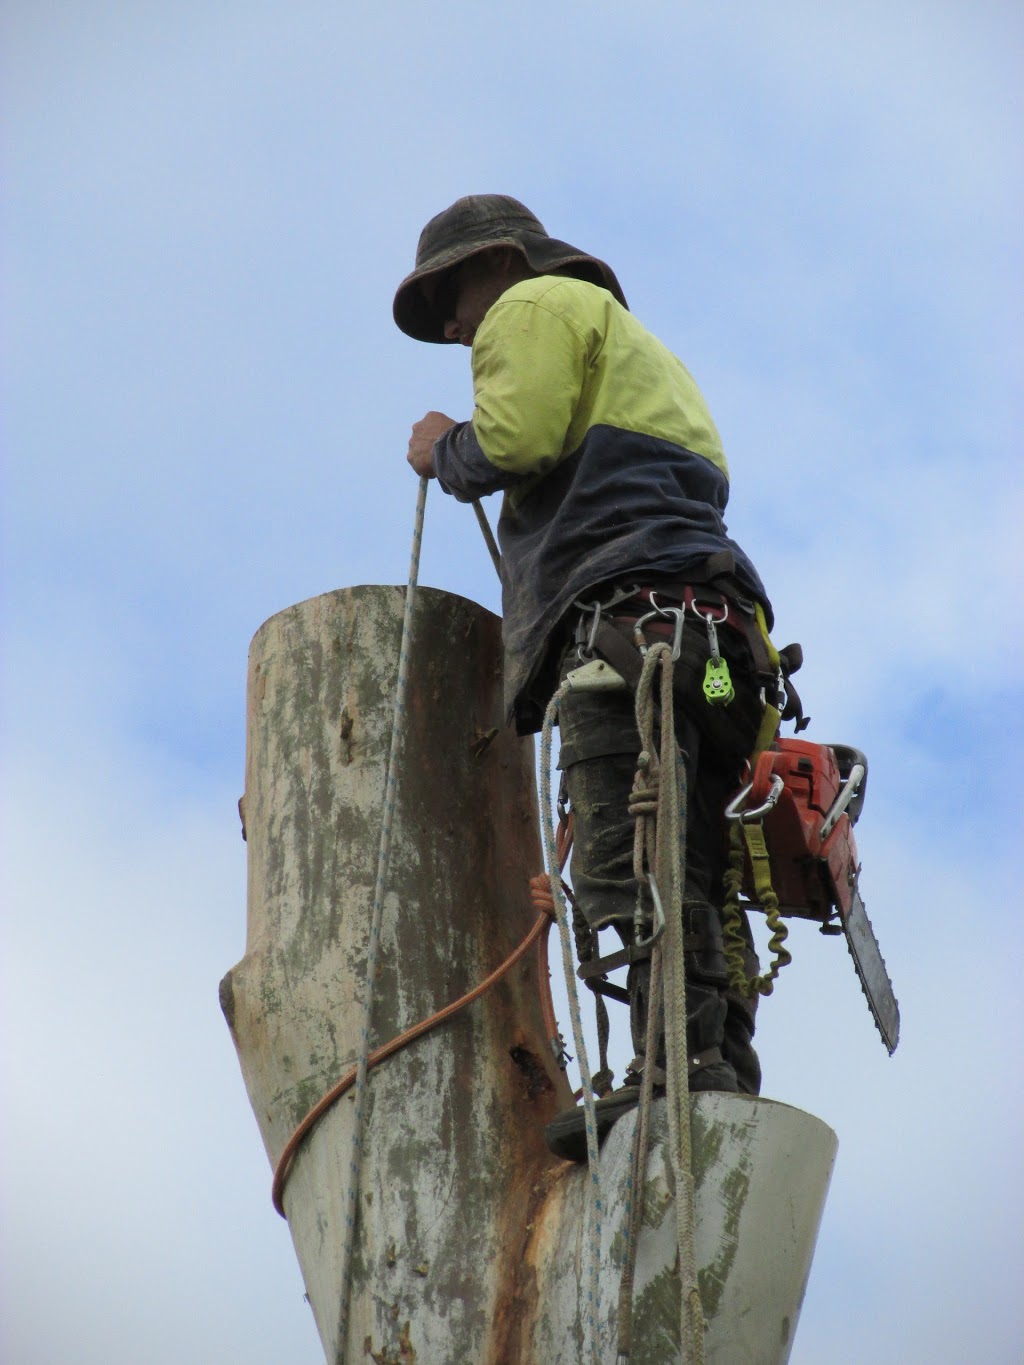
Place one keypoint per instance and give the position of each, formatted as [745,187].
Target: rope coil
[659,798]
[735,943]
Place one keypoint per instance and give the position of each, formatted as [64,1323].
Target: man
[614,485]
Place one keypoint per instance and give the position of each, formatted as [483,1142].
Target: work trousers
[599,748]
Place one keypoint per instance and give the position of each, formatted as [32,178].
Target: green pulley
[718,688]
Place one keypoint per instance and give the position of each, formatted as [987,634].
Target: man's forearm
[463,469]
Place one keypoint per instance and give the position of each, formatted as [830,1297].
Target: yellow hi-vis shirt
[611,465]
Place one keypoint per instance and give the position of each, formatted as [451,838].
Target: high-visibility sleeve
[529,368]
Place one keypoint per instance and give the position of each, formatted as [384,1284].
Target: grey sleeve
[464,470]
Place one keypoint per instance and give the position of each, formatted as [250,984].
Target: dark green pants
[599,747]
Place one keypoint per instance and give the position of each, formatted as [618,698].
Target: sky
[206,405]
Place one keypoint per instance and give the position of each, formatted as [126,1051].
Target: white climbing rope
[569,965]
[376,915]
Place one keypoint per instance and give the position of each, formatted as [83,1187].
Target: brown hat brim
[413,309]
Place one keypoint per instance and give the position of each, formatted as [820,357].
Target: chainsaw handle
[847,793]
[847,756]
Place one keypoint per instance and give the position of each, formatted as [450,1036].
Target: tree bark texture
[470,1237]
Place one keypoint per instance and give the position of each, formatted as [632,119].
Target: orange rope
[287,1157]
[543,902]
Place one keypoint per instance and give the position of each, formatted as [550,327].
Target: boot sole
[566,1134]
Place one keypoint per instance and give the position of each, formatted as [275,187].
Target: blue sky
[207,209]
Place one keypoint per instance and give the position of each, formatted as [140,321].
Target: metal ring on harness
[585,652]
[706,615]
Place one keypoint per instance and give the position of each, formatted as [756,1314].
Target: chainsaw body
[806,797]
[809,826]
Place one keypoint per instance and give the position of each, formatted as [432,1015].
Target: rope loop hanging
[660,843]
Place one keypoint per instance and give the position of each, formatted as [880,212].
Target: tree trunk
[471,1238]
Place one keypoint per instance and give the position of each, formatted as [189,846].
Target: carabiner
[659,916]
[592,637]
[668,613]
[585,652]
[732,811]
[638,631]
[679,614]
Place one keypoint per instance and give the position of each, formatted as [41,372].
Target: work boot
[719,1027]
[566,1134]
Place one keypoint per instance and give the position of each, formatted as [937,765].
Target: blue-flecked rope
[383,858]
[569,965]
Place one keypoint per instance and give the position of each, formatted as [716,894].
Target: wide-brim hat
[472,225]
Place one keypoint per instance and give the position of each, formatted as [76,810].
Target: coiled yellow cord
[735,943]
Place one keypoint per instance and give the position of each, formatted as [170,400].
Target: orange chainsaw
[807,797]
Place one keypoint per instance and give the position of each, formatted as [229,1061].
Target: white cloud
[136,1179]
[210,407]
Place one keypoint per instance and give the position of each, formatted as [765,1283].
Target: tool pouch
[703,943]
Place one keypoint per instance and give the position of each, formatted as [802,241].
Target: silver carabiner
[678,614]
[847,792]
[710,622]
[732,811]
[592,637]
[638,631]
[585,652]
[659,916]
